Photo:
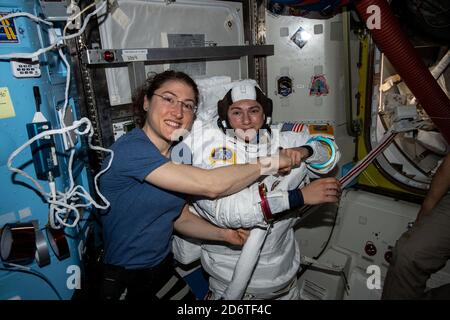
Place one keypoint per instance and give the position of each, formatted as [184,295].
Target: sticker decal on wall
[8,33]
[301,37]
[319,85]
[6,106]
[284,86]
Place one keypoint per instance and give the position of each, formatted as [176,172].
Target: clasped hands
[296,156]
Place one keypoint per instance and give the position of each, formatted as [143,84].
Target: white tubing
[246,264]
[26,14]
[441,66]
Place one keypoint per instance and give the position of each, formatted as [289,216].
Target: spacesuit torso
[280,257]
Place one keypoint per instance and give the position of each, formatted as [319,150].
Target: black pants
[161,282]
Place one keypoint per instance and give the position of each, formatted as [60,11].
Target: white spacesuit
[279,259]
[275,273]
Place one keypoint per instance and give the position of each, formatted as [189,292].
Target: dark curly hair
[154,83]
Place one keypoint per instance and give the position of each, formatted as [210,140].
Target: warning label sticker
[8,33]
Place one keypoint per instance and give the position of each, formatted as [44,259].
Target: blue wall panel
[19,201]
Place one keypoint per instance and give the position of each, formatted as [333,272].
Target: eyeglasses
[172,102]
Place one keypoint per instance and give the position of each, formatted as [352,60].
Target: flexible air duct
[392,41]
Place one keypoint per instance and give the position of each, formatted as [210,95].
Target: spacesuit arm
[325,152]
[325,155]
[193,226]
[242,209]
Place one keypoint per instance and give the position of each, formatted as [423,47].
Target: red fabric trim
[265,208]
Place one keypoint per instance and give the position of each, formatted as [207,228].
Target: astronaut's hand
[321,191]
[296,154]
[236,236]
[277,163]
[425,210]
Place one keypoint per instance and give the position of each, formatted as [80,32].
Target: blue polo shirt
[138,226]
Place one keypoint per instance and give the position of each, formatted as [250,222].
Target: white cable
[66,96]
[71,181]
[73,194]
[32,55]
[441,66]
[28,55]
[53,193]
[85,22]
[70,19]
[437,70]
[37,53]
[29,142]
[26,14]
[66,91]
[61,204]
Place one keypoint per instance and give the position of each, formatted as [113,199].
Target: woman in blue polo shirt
[147,194]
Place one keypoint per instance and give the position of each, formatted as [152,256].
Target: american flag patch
[294,127]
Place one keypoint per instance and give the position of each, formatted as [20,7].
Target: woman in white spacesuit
[241,134]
